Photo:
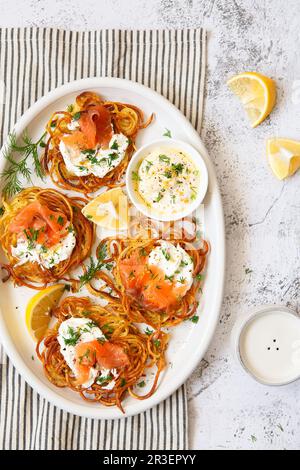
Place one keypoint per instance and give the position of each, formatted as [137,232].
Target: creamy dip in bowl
[167,179]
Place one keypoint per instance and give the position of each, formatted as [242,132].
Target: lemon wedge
[109,210]
[38,311]
[283,156]
[257,94]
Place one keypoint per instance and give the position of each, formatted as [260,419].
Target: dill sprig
[18,169]
[94,267]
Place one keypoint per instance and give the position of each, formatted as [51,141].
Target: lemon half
[109,210]
[283,156]
[38,311]
[257,94]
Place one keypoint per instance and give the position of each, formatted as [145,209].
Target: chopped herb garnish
[156,343]
[102,380]
[183,263]
[194,319]
[108,329]
[167,133]
[199,277]
[164,158]
[141,384]
[143,252]
[73,337]
[148,331]
[88,152]
[168,174]
[53,124]
[2,210]
[76,116]
[149,165]
[248,271]
[159,197]
[60,220]
[135,176]
[115,145]
[123,382]
[86,313]
[178,168]
[166,254]
[70,108]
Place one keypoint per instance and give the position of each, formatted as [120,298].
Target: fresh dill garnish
[19,168]
[115,145]
[108,329]
[102,380]
[167,133]
[148,331]
[60,220]
[73,337]
[194,319]
[32,236]
[111,158]
[94,267]
[86,313]
[76,116]
[183,263]
[166,254]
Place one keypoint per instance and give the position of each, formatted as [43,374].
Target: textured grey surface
[227,408]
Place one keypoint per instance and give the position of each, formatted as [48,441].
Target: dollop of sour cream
[82,330]
[174,261]
[96,161]
[167,181]
[27,251]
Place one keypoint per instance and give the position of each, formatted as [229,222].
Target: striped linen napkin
[33,61]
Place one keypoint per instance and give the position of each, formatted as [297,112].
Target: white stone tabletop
[228,409]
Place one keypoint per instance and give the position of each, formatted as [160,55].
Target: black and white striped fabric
[33,61]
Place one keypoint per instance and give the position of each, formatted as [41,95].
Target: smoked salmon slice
[40,224]
[95,128]
[149,284]
[106,355]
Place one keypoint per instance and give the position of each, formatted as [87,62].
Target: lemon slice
[257,94]
[38,311]
[283,156]
[109,210]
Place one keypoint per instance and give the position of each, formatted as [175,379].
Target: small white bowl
[142,153]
